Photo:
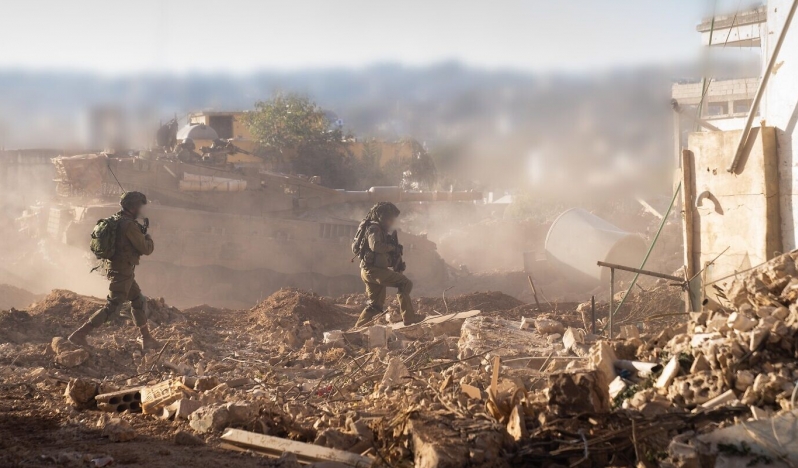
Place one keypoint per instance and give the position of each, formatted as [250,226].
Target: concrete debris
[120,401]
[210,418]
[578,392]
[481,390]
[80,393]
[548,326]
[72,358]
[395,374]
[118,430]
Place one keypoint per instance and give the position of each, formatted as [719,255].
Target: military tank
[233,234]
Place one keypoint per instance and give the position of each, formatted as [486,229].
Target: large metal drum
[578,239]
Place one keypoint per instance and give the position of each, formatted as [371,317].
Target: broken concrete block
[740,322]
[72,358]
[182,409]
[471,391]
[209,418]
[118,430]
[669,373]
[781,313]
[155,397]
[377,336]
[724,398]
[80,393]
[617,386]
[122,400]
[695,389]
[241,412]
[203,384]
[395,374]
[700,364]
[758,336]
[436,446]
[525,323]
[548,326]
[187,439]
[745,378]
[571,337]
[577,392]
[602,359]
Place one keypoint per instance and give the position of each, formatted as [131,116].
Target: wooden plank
[438,319]
[688,224]
[304,452]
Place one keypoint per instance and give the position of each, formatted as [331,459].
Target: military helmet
[383,210]
[132,199]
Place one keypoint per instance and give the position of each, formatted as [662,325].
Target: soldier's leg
[376,299]
[117,295]
[138,303]
[390,278]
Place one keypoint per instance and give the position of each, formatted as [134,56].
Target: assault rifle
[396,256]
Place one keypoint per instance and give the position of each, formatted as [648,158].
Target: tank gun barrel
[396,194]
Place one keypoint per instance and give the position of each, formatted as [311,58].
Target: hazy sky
[239,36]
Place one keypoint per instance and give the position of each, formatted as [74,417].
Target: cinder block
[118,402]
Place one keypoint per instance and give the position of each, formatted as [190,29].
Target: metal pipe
[761,89]
[641,271]
[612,297]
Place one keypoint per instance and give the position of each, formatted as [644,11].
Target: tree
[295,131]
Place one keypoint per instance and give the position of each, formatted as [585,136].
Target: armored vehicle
[233,234]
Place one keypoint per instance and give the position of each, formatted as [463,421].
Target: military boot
[78,337]
[367,315]
[147,341]
[409,318]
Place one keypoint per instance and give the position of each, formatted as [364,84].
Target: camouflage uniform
[375,273]
[131,244]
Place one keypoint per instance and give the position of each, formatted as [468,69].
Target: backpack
[359,243]
[103,237]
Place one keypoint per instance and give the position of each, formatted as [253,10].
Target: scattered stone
[395,374]
[209,418]
[118,430]
[72,358]
[577,392]
[80,393]
[548,326]
[669,373]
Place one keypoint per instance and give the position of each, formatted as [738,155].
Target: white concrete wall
[780,109]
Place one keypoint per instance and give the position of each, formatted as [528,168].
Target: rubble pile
[290,378]
[12,296]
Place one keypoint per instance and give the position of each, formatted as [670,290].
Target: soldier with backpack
[381,264]
[120,240]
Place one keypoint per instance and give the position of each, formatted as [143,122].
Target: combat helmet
[382,211]
[132,199]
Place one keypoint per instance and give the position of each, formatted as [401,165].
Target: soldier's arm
[377,242]
[141,242]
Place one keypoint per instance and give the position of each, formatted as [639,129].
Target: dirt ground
[277,348]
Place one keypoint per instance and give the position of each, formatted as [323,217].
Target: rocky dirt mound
[296,316]
[489,301]
[12,296]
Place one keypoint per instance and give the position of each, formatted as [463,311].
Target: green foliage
[294,132]
[289,121]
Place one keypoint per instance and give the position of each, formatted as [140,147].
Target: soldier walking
[131,243]
[381,265]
